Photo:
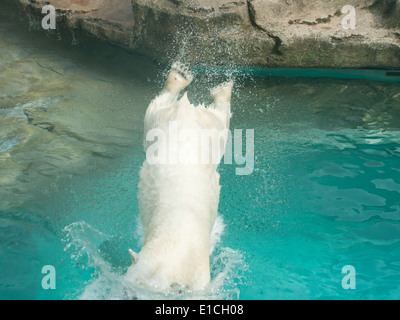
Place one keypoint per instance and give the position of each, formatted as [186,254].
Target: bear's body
[178,201]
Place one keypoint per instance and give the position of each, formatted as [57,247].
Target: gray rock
[270,33]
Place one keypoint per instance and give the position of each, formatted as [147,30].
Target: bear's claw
[134,256]
[179,78]
[183,70]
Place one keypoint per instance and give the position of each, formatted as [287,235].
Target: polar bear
[178,202]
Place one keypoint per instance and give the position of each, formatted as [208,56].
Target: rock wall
[271,33]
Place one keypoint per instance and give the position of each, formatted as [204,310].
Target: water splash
[84,244]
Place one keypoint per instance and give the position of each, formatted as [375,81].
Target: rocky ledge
[270,33]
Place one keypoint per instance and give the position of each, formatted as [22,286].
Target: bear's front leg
[222,100]
[179,77]
[222,95]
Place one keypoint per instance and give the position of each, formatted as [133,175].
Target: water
[324,192]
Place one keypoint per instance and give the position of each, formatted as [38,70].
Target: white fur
[179,202]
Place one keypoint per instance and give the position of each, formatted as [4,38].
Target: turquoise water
[324,193]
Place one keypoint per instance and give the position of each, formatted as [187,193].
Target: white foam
[83,243]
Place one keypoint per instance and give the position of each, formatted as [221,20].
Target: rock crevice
[276,39]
